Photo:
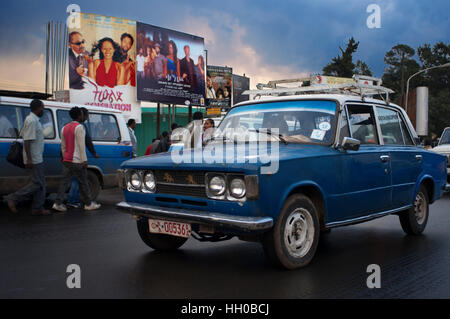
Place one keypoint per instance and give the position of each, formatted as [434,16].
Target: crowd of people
[75,139]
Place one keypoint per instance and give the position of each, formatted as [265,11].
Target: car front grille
[185,183]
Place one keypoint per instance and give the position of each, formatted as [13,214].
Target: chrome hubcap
[299,232]
[420,208]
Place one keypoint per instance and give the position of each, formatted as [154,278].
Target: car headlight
[217,186]
[149,181]
[237,188]
[135,180]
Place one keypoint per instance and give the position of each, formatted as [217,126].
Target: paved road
[35,251]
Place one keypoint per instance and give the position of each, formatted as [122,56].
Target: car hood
[442,149]
[250,160]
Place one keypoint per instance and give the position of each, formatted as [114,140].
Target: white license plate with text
[157,226]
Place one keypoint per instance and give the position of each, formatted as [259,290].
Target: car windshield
[287,121]
[445,139]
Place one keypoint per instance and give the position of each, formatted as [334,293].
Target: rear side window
[345,132]
[362,123]
[406,136]
[46,120]
[8,121]
[390,126]
[103,127]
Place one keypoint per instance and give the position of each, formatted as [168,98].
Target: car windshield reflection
[293,122]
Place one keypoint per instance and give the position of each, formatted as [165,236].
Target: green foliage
[362,68]
[438,82]
[400,66]
[439,113]
[342,65]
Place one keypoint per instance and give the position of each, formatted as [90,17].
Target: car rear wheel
[158,241]
[293,241]
[415,219]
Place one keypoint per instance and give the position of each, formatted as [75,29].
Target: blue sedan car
[282,170]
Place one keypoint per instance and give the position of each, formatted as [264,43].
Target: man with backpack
[33,140]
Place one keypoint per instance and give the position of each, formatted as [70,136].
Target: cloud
[39,62]
[22,72]
[226,45]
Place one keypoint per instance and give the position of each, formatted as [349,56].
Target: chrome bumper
[247,224]
[447,188]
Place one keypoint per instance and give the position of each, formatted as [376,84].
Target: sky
[263,39]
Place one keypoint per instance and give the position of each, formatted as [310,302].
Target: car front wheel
[415,219]
[158,241]
[293,241]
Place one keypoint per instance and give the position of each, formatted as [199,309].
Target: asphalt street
[115,263]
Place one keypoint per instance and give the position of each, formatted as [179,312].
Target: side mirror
[349,143]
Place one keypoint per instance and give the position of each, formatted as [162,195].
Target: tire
[415,219]
[94,184]
[157,241]
[300,213]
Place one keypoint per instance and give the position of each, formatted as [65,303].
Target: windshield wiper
[268,132]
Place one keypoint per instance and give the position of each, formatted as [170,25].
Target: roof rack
[358,85]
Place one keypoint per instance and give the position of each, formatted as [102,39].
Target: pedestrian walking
[131,125]
[75,163]
[197,131]
[33,140]
[73,199]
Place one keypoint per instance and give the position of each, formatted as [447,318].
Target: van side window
[362,121]
[390,126]
[8,121]
[63,118]
[103,127]
[46,120]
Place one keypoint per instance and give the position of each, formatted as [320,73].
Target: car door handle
[384,158]
[419,157]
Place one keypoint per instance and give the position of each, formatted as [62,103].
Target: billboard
[240,84]
[170,66]
[219,84]
[102,64]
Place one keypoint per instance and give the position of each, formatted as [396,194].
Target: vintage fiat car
[331,160]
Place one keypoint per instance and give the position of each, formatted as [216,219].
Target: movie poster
[219,84]
[102,64]
[240,84]
[170,66]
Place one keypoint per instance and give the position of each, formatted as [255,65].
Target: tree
[436,79]
[400,66]
[362,68]
[342,65]
[438,82]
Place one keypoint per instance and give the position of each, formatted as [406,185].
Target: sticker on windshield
[325,126]
[318,134]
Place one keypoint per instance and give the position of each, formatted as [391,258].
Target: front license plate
[157,226]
